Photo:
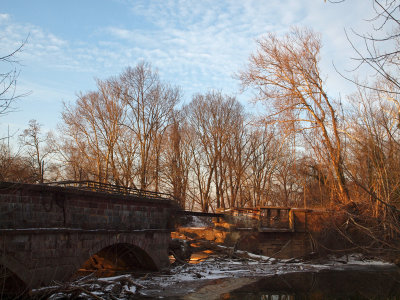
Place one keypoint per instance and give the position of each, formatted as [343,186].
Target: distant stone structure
[279,232]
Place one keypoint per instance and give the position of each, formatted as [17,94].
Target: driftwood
[91,287]
[177,257]
[120,287]
[180,249]
[230,252]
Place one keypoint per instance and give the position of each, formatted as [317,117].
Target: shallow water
[368,283]
[228,278]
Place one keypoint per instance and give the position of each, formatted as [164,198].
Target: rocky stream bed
[212,275]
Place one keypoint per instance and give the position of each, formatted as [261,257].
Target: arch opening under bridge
[119,257]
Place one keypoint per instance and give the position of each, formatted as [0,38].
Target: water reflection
[200,256]
[277,297]
[371,283]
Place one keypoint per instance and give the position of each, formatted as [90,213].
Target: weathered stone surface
[244,232]
[47,233]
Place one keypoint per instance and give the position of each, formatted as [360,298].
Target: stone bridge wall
[39,257]
[36,206]
[47,233]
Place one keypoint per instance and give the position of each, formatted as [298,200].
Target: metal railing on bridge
[94,186]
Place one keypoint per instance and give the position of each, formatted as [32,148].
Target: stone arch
[15,279]
[17,268]
[122,257]
[131,250]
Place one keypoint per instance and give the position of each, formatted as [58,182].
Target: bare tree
[375,148]
[151,104]
[93,125]
[177,160]
[214,122]
[381,45]
[285,72]
[315,182]
[8,80]
[378,51]
[286,179]
[263,154]
[38,147]
[237,159]
[14,167]
[118,130]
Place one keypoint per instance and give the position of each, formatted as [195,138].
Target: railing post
[291,220]
[268,217]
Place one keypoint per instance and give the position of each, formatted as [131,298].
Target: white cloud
[195,44]
[207,41]
[120,33]
[4,17]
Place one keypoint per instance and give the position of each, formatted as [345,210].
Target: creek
[347,282]
[359,283]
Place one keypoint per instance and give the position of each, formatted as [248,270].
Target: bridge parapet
[94,186]
[41,206]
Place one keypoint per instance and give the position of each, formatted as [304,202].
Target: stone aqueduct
[47,233]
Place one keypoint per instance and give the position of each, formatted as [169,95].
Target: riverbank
[214,277]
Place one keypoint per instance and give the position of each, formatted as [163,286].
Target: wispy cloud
[203,43]
[195,44]
[4,17]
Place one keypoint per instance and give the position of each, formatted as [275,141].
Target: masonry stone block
[63,228]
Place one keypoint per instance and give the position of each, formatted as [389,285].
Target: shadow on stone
[118,258]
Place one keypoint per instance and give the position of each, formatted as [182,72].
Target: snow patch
[186,276]
[198,222]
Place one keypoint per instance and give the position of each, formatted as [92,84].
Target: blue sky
[197,45]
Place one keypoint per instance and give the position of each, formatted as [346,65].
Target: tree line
[211,153]
[309,149]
